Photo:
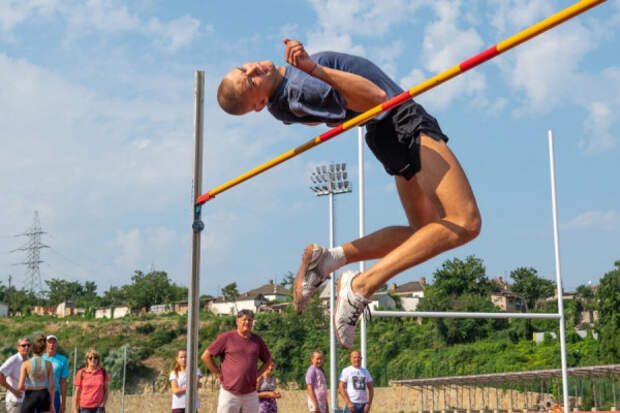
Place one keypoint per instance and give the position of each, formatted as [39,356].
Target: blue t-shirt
[61,368]
[302,98]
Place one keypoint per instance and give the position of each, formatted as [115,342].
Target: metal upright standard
[362,230]
[331,180]
[559,292]
[197,227]
[558,274]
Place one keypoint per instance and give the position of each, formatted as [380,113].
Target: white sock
[333,259]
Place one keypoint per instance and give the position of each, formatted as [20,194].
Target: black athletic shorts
[395,140]
[36,400]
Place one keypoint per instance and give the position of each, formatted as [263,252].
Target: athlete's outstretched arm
[360,94]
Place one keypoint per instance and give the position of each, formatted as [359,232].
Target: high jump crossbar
[470,63]
[462,314]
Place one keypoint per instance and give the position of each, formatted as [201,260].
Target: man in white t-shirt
[356,386]
[9,375]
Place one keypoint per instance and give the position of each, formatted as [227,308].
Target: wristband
[313,69]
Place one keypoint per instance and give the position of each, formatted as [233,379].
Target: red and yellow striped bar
[472,62]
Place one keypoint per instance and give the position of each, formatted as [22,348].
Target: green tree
[608,295]
[456,277]
[59,291]
[230,293]
[19,301]
[115,296]
[530,286]
[461,286]
[152,288]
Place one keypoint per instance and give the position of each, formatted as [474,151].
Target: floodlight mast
[331,180]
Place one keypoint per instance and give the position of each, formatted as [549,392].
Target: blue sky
[96,108]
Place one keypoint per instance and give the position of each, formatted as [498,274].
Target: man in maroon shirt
[239,351]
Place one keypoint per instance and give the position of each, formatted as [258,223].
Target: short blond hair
[230,98]
[90,353]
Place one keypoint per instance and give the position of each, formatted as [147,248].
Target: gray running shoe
[309,277]
[349,306]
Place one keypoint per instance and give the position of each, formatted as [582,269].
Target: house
[568,295]
[4,310]
[244,301]
[67,309]
[43,310]
[380,299]
[257,300]
[508,301]
[588,317]
[161,308]
[271,291]
[181,307]
[410,293]
[112,312]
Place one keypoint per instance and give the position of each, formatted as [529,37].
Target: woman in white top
[178,383]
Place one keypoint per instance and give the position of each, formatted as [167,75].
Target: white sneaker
[309,276]
[349,306]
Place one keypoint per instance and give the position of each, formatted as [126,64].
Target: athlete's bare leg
[442,214]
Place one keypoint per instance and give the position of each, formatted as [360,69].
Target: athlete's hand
[296,55]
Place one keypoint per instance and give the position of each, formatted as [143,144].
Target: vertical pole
[613,392]
[193,292]
[360,174]
[558,276]
[124,376]
[333,362]
[74,370]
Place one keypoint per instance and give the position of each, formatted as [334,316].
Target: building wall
[410,303]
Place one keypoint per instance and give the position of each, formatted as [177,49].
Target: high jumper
[345,90]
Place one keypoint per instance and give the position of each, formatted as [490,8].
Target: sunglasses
[25,345]
[93,357]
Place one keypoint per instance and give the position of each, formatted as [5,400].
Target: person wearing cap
[9,375]
[239,351]
[61,372]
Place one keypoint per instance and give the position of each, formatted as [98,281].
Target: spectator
[178,383]
[359,392]
[91,386]
[9,375]
[61,373]
[239,351]
[266,388]
[36,378]
[316,384]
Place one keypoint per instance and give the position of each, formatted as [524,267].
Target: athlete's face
[254,81]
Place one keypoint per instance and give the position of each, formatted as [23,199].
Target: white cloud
[596,127]
[14,12]
[513,15]
[445,44]
[603,220]
[340,21]
[545,68]
[107,16]
[138,248]
[176,33]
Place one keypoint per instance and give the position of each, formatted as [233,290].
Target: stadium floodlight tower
[331,180]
